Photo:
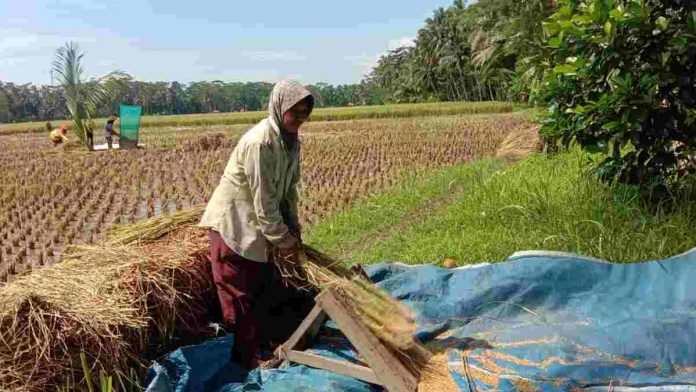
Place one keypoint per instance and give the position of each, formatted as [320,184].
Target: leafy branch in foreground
[622,80]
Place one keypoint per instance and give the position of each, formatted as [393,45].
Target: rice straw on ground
[109,302]
[114,300]
[436,377]
[519,144]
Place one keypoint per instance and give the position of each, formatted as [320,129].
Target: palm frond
[82,97]
[97,91]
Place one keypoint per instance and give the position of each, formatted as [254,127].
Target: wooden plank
[310,324]
[387,367]
[313,329]
[341,367]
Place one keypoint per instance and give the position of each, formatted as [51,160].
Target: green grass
[321,114]
[486,214]
[343,233]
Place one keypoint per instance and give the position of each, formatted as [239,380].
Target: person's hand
[289,255]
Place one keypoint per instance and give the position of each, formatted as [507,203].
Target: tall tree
[82,95]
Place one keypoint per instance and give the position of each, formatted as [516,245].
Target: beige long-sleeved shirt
[255,205]
[257,187]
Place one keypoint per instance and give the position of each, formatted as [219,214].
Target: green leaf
[576,61]
[617,14]
[664,58]
[566,25]
[581,20]
[599,40]
[612,125]
[555,42]
[564,11]
[608,27]
[551,28]
[662,23]
[565,69]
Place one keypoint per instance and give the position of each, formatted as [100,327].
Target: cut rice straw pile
[436,377]
[519,144]
[392,322]
[153,228]
[110,302]
[113,300]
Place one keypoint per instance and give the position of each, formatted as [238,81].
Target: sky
[310,41]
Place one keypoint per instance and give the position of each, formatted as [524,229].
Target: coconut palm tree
[83,96]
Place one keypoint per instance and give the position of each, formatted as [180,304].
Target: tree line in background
[29,102]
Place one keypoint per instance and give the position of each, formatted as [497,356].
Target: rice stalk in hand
[392,322]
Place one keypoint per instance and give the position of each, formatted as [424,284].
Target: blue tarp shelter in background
[542,321]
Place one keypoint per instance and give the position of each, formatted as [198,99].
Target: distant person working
[58,135]
[109,131]
[89,129]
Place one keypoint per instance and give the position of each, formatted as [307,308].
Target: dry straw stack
[114,300]
[392,322]
[110,302]
[519,144]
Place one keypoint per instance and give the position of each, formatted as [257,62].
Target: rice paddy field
[51,198]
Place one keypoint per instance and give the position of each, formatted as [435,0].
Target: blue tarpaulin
[541,321]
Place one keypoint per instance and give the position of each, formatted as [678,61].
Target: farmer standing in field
[109,131]
[253,222]
[89,130]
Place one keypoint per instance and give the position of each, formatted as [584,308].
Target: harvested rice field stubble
[53,197]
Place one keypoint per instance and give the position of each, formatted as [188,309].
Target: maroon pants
[261,309]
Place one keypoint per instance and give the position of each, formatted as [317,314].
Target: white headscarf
[285,95]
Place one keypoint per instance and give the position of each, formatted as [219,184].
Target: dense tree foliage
[622,80]
[469,53]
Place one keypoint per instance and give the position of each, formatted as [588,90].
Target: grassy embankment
[486,211]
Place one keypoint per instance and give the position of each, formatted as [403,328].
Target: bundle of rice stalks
[208,142]
[107,302]
[153,228]
[392,322]
[519,144]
